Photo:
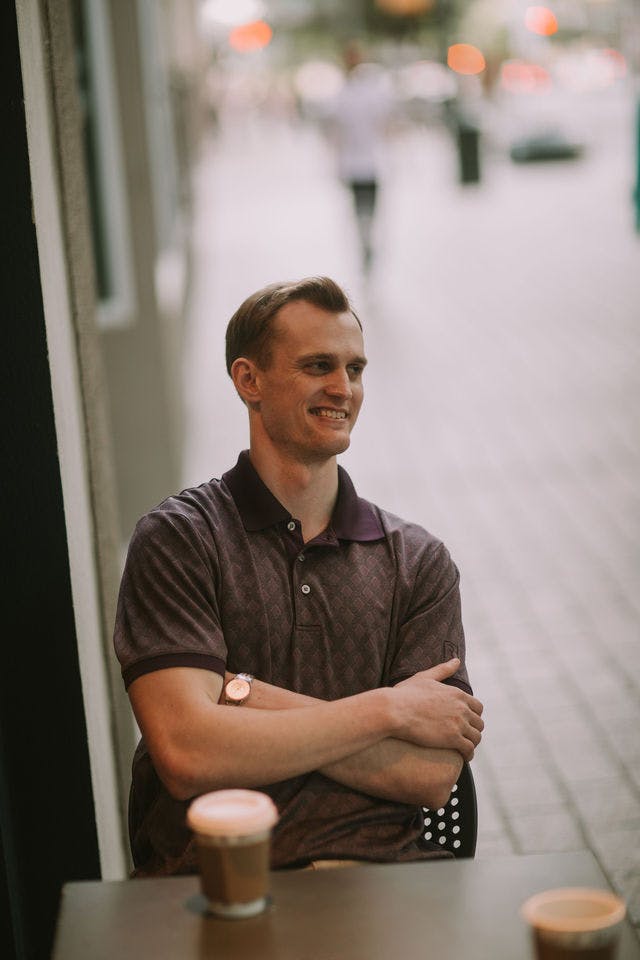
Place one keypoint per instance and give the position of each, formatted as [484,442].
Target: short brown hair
[250,330]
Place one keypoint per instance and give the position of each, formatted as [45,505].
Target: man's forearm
[400,771]
[391,769]
[198,745]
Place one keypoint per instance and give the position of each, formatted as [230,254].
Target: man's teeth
[331,414]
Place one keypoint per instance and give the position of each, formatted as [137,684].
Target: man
[360,117]
[278,632]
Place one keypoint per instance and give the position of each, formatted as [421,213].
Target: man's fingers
[476,705]
[476,721]
[474,735]
[442,671]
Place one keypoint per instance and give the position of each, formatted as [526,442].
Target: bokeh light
[465,58]
[230,13]
[615,61]
[519,76]
[404,8]
[250,36]
[541,20]
[583,71]
[318,80]
[426,79]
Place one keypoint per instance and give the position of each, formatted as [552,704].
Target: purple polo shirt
[219,577]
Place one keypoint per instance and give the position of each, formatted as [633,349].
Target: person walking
[359,117]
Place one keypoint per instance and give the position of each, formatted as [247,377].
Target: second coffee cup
[574,923]
[233,834]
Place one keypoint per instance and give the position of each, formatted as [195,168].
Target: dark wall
[47,821]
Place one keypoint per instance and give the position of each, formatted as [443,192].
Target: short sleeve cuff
[200,660]
[450,681]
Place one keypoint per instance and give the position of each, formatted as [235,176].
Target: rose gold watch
[238,689]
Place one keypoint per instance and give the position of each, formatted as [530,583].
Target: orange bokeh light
[541,20]
[250,36]
[616,61]
[518,76]
[403,8]
[465,58]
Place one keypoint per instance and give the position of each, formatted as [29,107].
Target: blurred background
[468,171]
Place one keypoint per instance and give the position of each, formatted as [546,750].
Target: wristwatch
[238,689]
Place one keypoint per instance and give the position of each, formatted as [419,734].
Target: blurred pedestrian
[360,115]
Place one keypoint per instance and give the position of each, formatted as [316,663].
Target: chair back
[455,826]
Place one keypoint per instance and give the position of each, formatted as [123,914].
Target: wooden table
[444,910]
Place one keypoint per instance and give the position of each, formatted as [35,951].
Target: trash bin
[468,137]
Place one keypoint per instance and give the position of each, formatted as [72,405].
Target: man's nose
[339,385]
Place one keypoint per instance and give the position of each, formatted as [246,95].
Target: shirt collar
[353,518]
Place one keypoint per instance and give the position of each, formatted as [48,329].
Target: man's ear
[244,376]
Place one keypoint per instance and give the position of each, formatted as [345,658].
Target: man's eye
[318,366]
[355,369]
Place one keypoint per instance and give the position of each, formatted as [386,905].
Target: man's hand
[434,714]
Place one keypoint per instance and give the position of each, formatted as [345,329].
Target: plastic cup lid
[232,813]
[573,909]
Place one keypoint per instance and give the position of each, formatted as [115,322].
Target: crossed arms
[404,743]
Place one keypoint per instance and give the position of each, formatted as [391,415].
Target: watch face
[237,689]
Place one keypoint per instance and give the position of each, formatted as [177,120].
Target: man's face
[311,394]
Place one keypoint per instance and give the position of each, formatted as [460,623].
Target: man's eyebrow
[330,357]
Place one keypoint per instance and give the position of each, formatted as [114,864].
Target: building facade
[101,126]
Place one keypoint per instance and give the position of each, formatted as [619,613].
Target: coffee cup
[233,836]
[574,923]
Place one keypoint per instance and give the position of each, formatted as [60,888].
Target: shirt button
[291,525]
[301,557]
[305,588]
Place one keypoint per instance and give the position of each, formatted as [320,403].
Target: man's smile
[329,412]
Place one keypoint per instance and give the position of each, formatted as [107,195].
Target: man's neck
[307,490]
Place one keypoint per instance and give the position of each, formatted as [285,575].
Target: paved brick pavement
[502,326]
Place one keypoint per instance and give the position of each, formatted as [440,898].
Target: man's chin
[320,452]
[339,445]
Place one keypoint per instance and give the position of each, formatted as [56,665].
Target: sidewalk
[502,406]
